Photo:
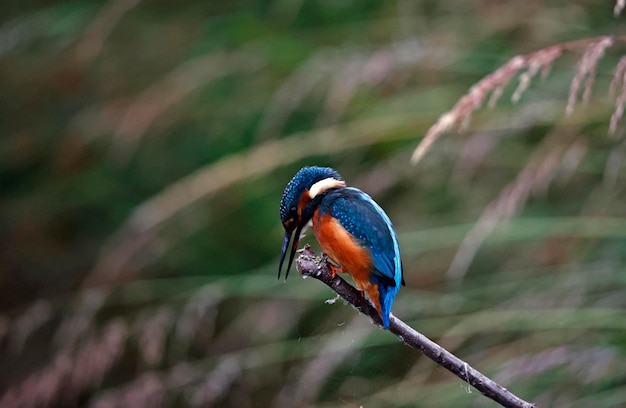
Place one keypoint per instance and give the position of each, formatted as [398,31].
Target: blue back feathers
[304,179]
[372,228]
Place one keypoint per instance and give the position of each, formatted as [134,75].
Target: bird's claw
[331,265]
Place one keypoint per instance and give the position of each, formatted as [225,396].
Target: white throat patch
[323,185]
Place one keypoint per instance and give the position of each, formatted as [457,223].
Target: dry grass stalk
[170,90]
[79,322]
[217,382]
[292,92]
[101,27]
[28,322]
[303,390]
[151,389]
[147,391]
[465,107]
[70,371]
[619,6]
[343,88]
[588,364]
[613,165]
[535,178]
[346,72]
[477,146]
[200,311]
[368,70]
[493,85]
[618,91]
[586,72]
[152,333]
[541,60]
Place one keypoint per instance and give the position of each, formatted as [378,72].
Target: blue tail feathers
[387,296]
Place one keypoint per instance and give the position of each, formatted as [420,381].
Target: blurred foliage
[144,149]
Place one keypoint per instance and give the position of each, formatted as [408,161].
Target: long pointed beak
[294,248]
[284,251]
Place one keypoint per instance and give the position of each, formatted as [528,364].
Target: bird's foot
[334,269]
[331,265]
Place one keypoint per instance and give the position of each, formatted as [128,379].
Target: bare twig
[310,265]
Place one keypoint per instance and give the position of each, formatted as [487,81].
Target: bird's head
[300,198]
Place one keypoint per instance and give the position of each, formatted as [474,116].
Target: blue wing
[370,225]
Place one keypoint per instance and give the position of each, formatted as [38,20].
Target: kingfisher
[352,229]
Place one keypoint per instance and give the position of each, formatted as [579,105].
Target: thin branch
[310,265]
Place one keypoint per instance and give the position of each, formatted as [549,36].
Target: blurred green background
[144,149]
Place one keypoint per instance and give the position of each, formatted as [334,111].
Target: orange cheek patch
[305,199]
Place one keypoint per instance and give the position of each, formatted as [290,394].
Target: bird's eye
[293,213]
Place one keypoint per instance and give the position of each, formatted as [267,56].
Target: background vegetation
[144,149]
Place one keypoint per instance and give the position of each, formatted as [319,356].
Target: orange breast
[339,245]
